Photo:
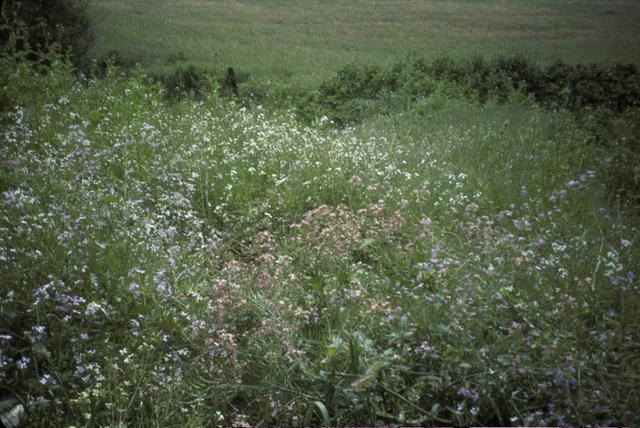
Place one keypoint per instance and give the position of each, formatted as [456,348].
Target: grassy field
[163,265]
[427,243]
[281,37]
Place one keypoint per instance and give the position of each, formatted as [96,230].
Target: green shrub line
[356,92]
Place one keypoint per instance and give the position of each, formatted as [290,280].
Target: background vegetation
[32,27]
[308,37]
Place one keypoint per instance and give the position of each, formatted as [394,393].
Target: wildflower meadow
[205,262]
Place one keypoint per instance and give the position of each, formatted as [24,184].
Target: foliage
[604,98]
[34,26]
[617,136]
[569,86]
[205,263]
[184,81]
[192,82]
[111,60]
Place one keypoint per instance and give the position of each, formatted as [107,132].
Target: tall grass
[202,263]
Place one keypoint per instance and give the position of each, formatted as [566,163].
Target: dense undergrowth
[208,263]
[356,92]
[605,98]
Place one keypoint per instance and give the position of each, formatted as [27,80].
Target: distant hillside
[315,36]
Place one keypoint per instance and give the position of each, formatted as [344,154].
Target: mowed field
[309,36]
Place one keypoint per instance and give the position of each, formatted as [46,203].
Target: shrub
[357,91]
[195,82]
[181,82]
[34,26]
[115,58]
[618,138]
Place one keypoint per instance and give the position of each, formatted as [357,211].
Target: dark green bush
[354,91]
[117,59]
[357,91]
[33,27]
[303,100]
[193,81]
[188,81]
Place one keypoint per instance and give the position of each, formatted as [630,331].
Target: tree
[34,27]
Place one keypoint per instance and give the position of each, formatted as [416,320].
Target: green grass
[444,258]
[279,38]
[168,264]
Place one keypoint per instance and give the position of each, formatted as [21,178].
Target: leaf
[370,375]
[8,402]
[334,347]
[13,418]
[366,243]
[503,360]
[323,412]
[435,408]
[316,284]
[40,351]
[343,277]
[354,353]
